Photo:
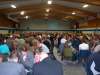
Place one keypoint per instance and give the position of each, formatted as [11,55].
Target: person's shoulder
[96,55]
[48,61]
[12,64]
[43,45]
[57,62]
[83,44]
[15,64]
[80,44]
[54,62]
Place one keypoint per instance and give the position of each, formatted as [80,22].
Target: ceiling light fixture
[26,17]
[73,13]
[85,6]
[22,12]
[13,6]
[47,10]
[49,2]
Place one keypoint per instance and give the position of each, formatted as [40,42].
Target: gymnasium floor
[69,67]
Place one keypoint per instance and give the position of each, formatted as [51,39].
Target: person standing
[37,44]
[62,46]
[9,68]
[93,64]
[44,65]
[84,51]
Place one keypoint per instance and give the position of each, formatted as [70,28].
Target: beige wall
[46,25]
[4,22]
[90,24]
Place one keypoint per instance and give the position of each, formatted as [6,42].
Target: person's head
[3,57]
[35,44]
[4,52]
[44,38]
[38,50]
[14,43]
[84,39]
[13,56]
[64,36]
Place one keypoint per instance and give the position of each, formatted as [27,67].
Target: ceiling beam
[52,11]
[6,0]
[91,2]
[41,6]
[52,14]
[57,11]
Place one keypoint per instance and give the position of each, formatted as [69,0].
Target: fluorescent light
[22,12]
[85,6]
[13,6]
[47,10]
[26,17]
[49,2]
[73,13]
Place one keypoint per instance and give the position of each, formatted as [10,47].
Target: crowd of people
[32,54]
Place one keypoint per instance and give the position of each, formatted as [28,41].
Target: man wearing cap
[9,68]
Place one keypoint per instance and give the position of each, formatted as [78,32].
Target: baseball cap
[4,49]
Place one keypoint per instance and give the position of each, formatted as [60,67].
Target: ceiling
[59,9]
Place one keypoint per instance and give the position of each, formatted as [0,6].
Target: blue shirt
[11,68]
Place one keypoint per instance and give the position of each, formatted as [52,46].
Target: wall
[45,25]
[89,25]
[5,24]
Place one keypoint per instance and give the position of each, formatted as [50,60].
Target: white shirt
[83,46]
[97,48]
[24,55]
[63,41]
[13,59]
[44,48]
